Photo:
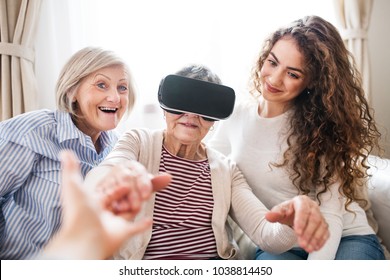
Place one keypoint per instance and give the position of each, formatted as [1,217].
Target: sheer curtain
[354,18]
[18,90]
[58,37]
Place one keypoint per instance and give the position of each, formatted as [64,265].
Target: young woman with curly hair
[307,130]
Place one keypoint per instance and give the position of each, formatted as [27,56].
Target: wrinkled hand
[304,216]
[127,186]
[90,231]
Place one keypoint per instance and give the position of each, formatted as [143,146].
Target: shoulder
[246,103]
[224,167]
[142,139]
[25,125]
[219,159]
[242,109]
[142,134]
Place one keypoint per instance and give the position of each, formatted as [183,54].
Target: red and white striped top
[182,212]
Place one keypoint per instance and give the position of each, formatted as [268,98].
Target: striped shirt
[182,212]
[30,207]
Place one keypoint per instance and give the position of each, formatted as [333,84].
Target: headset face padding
[187,95]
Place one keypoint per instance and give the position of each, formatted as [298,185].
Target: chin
[108,127]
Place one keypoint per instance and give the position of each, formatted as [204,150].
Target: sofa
[378,212]
[379,195]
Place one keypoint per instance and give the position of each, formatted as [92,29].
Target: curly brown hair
[332,127]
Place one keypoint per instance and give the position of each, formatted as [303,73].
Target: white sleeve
[249,213]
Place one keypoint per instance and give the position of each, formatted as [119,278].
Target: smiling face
[283,75]
[184,135]
[187,128]
[101,100]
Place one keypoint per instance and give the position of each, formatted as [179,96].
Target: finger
[302,206]
[282,213]
[118,192]
[126,215]
[126,177]
[273,217]
[322,236]
[160,181]
[72,195]
[318,238]
[107,184]
[70,165]
[138,227]
[143,180]
[112,197]
[118,235]
[315,227]
[71,179]
[277,213]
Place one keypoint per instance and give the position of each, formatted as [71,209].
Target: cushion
[247,249]
[379,194]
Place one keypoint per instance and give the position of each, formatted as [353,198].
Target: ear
[72,97]
[311,86]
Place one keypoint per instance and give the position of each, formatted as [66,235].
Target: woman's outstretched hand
[304,216]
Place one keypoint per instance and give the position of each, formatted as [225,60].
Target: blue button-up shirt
[30,206]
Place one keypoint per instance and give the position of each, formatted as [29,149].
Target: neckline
[181,158]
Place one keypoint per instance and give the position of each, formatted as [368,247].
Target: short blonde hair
[83,63]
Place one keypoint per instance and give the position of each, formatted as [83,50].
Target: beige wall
[379,48]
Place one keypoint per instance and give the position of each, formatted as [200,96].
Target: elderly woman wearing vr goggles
[190,216]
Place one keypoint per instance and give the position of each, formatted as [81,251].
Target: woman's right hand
[304,216]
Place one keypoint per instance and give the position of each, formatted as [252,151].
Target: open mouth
[108,109]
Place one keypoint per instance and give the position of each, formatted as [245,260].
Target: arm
[277,231]
[16,165]
[90,229]
[249,213]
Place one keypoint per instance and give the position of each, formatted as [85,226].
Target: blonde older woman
[94,91]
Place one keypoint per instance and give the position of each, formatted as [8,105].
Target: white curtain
[18,90]
[56,33]
[354,19]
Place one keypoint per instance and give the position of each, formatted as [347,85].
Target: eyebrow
[288,67]
[97,74]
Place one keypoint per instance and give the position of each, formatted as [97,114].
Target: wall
[379,48]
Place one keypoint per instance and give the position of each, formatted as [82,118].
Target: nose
[191,115]
[276,78]
[113,96]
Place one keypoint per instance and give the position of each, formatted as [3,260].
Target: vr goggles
[179,95]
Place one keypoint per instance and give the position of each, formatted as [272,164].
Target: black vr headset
[211,101]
